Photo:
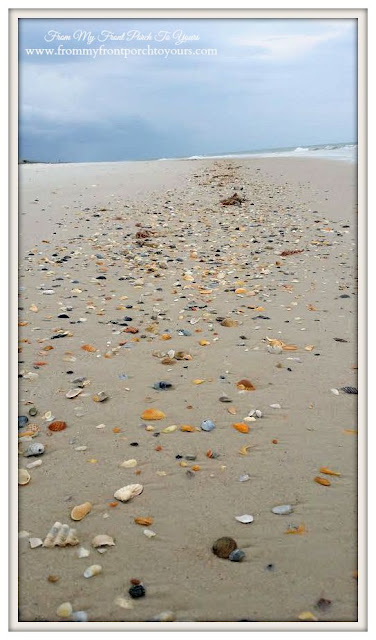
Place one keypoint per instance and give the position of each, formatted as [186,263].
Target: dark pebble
[137,591]
[133,444]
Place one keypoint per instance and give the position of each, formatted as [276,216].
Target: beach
[244,306]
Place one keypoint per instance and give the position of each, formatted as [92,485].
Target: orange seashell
[245,385]
[299,531]
[48,347]
[116,430]
[274,441]
[195,467]
[57,425]
[322,481]
[168,360]
[152,414]
[23,324]
[329,472]
[209,453]
[88,347]
[131,330]
[158,448]
[165,336]
[241,426]
[240,290]
[79,512]
[204,343]
[289,347]
[187,427]
[39,364]
[113,504]
[145,522]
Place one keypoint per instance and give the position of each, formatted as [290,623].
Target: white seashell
[102,541]
[274,349]
[81,448]
[35,449]
[82,552]
[171,353]
[244,519]
[93,570]
[64,610]
[60,535]
[48,292]
[73,393]
[100,426]
[36,463]
[276,406]
[283,509]
[127,493]
[335,391]
[80,616]
[123,603]
[258,413]
[31,375]
[249,419]
[35,542]
[23,477]
[149,533]
[244,478]
[165,616]
[129,463]
[23,534]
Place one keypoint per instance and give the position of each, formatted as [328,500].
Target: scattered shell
[307,616]
[245,519]
[124,603]
[225,399]
[52,578]
[245,385]
[145,522]
[224,546]
[241,426]
[23,477]
[227,322]
[211,454]
[165,616]
[296,530]
[255,413]
[244,478]
[329,472]
[237,555]
[80,511]
[35,542]
[152,414]
[276,406]
[127,464]
[33,411]
[100,397]
[170,429]
[188,428]
[149,533]
[207,425]
[80,448]
[127,493]
[34,449]
[137,591]
[57,425]
[283,509]
[324,481]
[335,391]
[88,347]
[349,389]
[60,535]
[274,349]
[244,450]
[82,552]
[64,610]
[32,465]
[102,540]
[73,393]
[93,570]
[80,616]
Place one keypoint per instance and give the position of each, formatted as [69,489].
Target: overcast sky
[273,83]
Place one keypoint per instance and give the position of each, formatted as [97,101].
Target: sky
[99,95]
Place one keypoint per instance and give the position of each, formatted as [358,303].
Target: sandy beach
[142,265]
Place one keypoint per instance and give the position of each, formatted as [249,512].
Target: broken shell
[245,519]
[32,465]
[145,522]
[227,322]
[102,540]
[152,414]
[35,542]
[224,546]
[282,509]
[165,616]
[188,428]
[241,426]
[93,570]
[329,472]
[60,535]
[82,552]
[237,555]
[245,385]
[127,493]
[73,393]
[149,533]
[129,463]
[100,397]
[23,477]
[80,511]
[64,610]
[88,347]
[169,429]
[58,425]
[324,481]
[244,478]
[35,449]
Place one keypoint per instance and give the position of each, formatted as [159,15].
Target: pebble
[207,425]
[224,546]
[80,616]
[282,509]
[137,591]
[64,610]
[237,555]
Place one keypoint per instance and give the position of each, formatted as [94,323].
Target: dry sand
[200,253]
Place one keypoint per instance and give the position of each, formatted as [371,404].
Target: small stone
[283,509]
[225,399]
[224,546]
[237,555]
[64,610]
[80,616]
[137,591]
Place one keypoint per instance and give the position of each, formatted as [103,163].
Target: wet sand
[196,263]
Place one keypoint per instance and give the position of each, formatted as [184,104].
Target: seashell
[207,425]
[245,385]
[276,405]
[73,393]
[33,411]
[240,290]
[124,603]
[297,530]
[203,343]
[35,542]
[329,472]
[127,464]
[274,349]
[188,428]
[227,322]
[93,570]
[60,535]
[80,448]
[282,509]
[23,477]
[22,421]
[152,414]
[241,426]
[145,522]
[149,533]
[244,450]
[164,616]
[64,610]
[79,616]
[127,493]
[237,555]
[182,355]
[244,478]
[307,616]
[167,361]
[335,391]
[349,389]
[224,546]
[245,519]
[225,399]
[197,381]
[211,454]
[82,552]
[48,416]
[102,540]
[80,511]
[100,397]
[36,463]
[34,449]
[324,481]
[169,429]
[89,348]
[57,425]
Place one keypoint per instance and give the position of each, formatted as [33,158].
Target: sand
[200,253]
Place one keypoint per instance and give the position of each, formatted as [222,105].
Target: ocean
[344,151]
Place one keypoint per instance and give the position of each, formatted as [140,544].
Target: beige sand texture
[195,263]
